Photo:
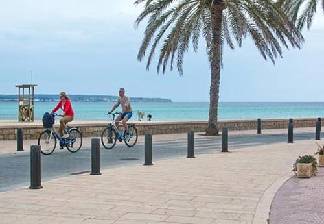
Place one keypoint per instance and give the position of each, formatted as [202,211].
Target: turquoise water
[180,111]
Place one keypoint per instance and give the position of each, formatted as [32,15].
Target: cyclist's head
[63,96]
[121,92]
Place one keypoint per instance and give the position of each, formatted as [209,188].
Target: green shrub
[306,159]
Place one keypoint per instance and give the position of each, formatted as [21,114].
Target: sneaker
[63,142]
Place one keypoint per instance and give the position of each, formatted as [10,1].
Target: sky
[90,47]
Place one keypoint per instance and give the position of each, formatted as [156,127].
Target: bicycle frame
[114,126]
[54,132]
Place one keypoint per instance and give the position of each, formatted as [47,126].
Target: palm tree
[301,11]
[173,24]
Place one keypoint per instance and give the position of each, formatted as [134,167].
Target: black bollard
[191,145]
[35,167]
[259,127]
[291,131]
[20,140]
[148,150]
[95,156]
[318,129]
[225,140]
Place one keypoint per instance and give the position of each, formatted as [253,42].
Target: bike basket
[48,120]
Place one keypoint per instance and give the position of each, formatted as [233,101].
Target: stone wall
[89,129]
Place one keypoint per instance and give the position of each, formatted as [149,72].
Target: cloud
[75,25]
[318,21]
[31,11]
[37,24]
[72,21]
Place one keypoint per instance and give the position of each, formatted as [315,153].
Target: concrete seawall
[94,128]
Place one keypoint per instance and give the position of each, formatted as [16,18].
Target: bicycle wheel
[74,140]
[130,138]
[47,141]
[108,138]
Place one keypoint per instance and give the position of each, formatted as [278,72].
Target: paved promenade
[269,136]
[299,201]
[229,188]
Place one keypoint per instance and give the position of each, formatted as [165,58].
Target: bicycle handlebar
[115,113]
[58,115]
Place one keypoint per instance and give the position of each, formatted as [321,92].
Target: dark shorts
[126,114]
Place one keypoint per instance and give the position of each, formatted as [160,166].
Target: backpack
[48,120]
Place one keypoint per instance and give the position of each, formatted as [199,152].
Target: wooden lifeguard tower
[26,102]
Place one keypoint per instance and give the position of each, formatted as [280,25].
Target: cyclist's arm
[115,106]
[58,106]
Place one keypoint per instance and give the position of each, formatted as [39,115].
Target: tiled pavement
[300,201]
[234,188]
[10,146]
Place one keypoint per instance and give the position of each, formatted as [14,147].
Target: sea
[181,111]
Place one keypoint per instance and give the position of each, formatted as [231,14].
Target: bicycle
[48,139]
[111,134]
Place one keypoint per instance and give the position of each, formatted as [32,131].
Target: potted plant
[320,153]
[305,166]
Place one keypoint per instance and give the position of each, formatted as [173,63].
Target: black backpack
[48,120]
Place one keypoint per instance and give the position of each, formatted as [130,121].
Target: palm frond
[301,12]
[172,25]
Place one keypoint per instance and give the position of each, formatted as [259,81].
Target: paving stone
[221,188]
[299,201]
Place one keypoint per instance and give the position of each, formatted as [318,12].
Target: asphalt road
[14,168]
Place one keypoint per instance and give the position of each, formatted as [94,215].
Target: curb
[262,212]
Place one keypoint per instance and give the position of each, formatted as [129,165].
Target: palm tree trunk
[217,8]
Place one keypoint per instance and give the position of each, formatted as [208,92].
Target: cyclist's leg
[124,123]
[125,119]
[62,125]
[118,119]
[63,122]
[68,120]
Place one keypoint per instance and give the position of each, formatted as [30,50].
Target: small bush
[306,159]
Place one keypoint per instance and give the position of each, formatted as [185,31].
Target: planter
[321,160]
[304,170]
